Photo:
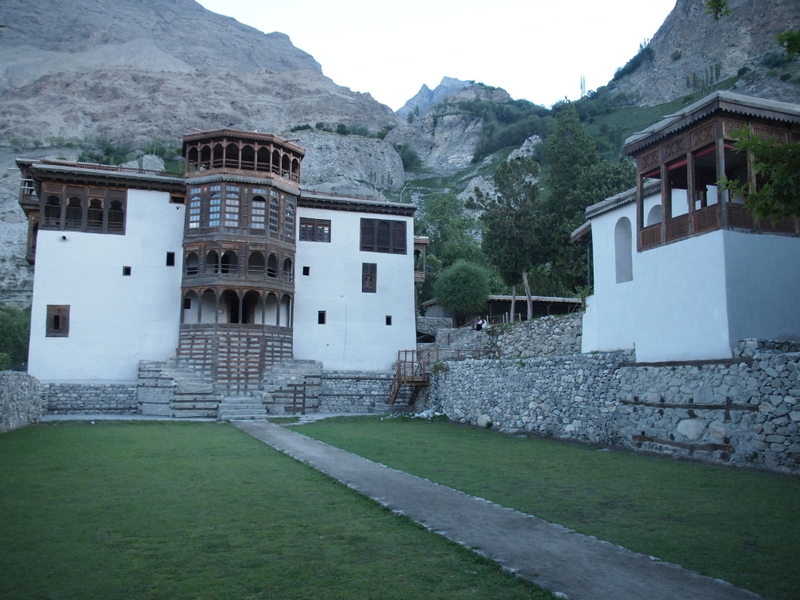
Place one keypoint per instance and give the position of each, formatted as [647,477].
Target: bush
[14,331]
[409,157]
[462,288]
[774,59]
[645,54]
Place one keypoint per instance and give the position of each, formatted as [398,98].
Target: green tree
[462,287]
[576,178]
[14,333]
[568,151]
[514,223]
[592,185]
[777,170]
[453,232]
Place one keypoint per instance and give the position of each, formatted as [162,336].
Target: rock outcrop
[692,51]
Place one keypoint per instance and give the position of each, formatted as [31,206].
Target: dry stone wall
[546,336]
[354,391]
[20,400]
[84,398]
[744,411]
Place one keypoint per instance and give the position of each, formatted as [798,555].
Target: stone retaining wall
[431,325]
[558,335]
[354,391]
[89,398]
[744,411]
[20,400]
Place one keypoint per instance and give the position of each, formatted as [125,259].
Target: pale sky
[534,49]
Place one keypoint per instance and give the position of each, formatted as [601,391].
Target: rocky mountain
[426,98]
[132,70]
[691,51]
[135,70]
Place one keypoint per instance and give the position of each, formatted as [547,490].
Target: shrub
[14,331]
[774,59]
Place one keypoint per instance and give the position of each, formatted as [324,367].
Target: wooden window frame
[369,278]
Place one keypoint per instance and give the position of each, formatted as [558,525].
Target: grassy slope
[740,526]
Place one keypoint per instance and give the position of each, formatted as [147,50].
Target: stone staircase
[167,389]
[456,344]
[292,387]
[242,408]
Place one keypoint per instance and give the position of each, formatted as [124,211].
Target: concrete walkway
[576,566]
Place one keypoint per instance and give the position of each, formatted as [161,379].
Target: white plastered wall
[355,335]
[114,321]
[675,308]
[763,281]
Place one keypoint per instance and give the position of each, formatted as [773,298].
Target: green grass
[737,525]
[203,511]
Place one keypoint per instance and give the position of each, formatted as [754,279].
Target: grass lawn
[737,525]
[151,510]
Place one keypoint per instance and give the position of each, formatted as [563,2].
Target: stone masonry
[83,398]
[744,411]
[20,400]
[545,336]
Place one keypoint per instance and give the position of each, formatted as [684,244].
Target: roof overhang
[100,175]
[312,199]
[720,101]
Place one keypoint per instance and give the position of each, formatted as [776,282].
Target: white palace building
[682,269]
[231,268]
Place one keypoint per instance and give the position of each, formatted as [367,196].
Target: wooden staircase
[412,373]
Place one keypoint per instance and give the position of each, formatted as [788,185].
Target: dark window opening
[126,271]
[369,277]
[57,320]
[170,259]
[383,236]
[306,271]
[321,317]
[388,319]
[175,199]
[187,303]
[315,230]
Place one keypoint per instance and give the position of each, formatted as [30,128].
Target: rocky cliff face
[426,98]
[691,50]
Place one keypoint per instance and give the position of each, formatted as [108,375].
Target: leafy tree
[453,232]
[577,178]
[593,184]
[777,169]
[514,223]
[568,151]
[462,287]
[14,333]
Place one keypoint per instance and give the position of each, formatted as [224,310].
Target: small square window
[170,259]
[187,303]
[306,270]
[321,317]
[388,319]
[126,271]
[57,320]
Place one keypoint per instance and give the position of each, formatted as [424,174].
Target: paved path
[578,567]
